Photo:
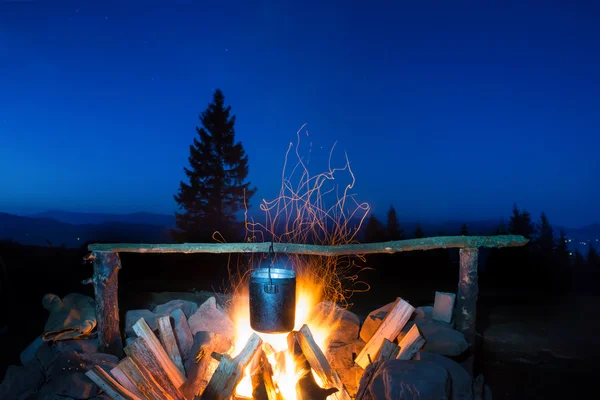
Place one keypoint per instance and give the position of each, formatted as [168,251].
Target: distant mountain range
[45,231]
[80,218]
[73,229]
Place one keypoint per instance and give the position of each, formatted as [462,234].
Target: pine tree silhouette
[217,188]
[394,232]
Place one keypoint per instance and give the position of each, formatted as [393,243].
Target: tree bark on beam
[396,246]
[466,303]
[106,286]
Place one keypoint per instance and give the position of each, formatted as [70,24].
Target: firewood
[109,385]
[389,329]
[201,365]
[140,351]
[307,387]
[125,380]
[319,363]
[140,377]
[388,351]
[106,287]
[230,371]
[263,386]
[411,343]
[175,375]
[167,339]
[442,242]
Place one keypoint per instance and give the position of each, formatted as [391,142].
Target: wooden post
[466,304]
[106,286]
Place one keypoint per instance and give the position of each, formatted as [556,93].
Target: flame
[286,374]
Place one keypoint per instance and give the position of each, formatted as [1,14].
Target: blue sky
[448,110]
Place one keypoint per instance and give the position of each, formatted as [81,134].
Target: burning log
[306,388]
[201,364]
[167,338]
[315,357]
[230,371]
[143,355]
[175,375]
[263,386]
[106,286]
[389,329]
[127,372]
[109,385]
[411,343]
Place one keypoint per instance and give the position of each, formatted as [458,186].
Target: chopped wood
[307,387]
[263,385]
[202,364]
[140,351]
[109,385]
[175,375]
[125,380]
[389,351]
[106,287]
[230,371]
[167,338]
[318,362]
[442,242]
[389,329]
[410,344]
[141,378]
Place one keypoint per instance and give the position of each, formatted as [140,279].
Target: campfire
[287,365]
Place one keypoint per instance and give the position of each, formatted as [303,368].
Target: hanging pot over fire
[272,298]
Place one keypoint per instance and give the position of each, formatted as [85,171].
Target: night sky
[446,109]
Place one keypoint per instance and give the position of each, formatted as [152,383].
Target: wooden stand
[466,302]
[106,286]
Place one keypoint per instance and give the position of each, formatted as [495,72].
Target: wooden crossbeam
[441,242]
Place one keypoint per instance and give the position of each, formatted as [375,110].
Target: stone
[440,338]
[211,319]
[156,299]
[424,313]
[133,316]
[373,320]
[443,307]
[183,333]
[351,378]
[408,380]
[347,324]
[66,377]
[20,382]
[28,354]
[343,356]
[188,307]
[462,382]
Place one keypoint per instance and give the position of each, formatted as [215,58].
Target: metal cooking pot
[272,300]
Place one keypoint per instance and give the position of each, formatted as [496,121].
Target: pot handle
[270,288]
